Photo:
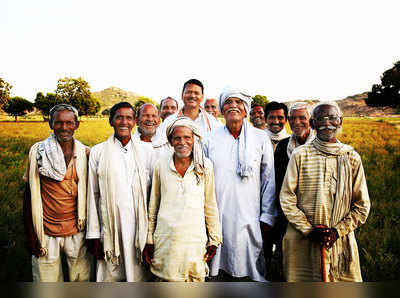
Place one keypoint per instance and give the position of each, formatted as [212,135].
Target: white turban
[198,155]
[234,93]
[244,168]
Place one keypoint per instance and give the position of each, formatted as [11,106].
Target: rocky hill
[355,106]
[110,96]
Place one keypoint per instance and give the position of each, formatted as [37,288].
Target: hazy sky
[283,49]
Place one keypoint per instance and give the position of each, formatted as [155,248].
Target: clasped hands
[324,236]
[148,253]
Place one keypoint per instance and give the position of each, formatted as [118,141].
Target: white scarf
[108,205]
[277,136]
[294,144]
[50,159]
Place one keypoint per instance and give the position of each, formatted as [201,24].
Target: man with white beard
[147,122]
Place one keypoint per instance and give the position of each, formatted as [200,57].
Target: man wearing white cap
[184,229]
[245,187]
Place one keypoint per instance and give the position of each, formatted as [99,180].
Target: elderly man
[120,172]
[257,116]
[276,115]
[184,229]
[245,187]
[325,198]
[168,106]
[147,122]
[55,200]
[211,106]
[192,96]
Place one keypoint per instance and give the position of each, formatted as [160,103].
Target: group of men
[191,199]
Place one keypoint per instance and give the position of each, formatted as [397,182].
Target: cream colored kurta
[183,221]
[307,197]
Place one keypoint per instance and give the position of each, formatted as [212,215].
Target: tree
[76,92]
[18,106]
[45,103]
[260,99]
[4,93]
[388,92]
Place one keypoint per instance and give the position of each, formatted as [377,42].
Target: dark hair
[117,106]
[194,82]
[273,105]
[165,99]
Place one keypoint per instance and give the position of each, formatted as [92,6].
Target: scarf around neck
[293,144]
[341,252]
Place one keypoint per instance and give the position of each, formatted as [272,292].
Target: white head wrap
[198,155]
[244,168]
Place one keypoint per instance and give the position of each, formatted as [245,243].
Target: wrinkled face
[276,120]
[182,140]
[148,120]
[326,122]
[211,107]
[123,123]
[64,126]
[168,108]
[192,96]
[257,117]
[233,110]
[299,122]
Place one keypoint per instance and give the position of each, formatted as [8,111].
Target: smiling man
[211,106]
[55,200]
[184,228]
[168,106]
[245,186]
[147,122]
[325,198]
[119,181]
[192,96]
[276,115]
[257,116]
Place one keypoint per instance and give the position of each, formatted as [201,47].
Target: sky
[286,50]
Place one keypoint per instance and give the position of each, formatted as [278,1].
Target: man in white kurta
[245,188]
[192,96]
[325,198]
[119,171]
[183,215]
[147,131]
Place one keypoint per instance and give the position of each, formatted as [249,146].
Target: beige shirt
[307,197]
[183,221]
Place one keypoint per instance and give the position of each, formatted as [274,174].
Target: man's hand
[330,238]
[319,234]
[95,247]
[148,253]
[211,251]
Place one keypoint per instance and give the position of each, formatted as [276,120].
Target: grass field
[377,141]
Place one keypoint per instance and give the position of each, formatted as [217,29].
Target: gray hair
[165,99]
[300,106]
[59,108]
[328,103]
[143,106]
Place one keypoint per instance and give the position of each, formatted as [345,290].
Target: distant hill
[110,96]
[355,106]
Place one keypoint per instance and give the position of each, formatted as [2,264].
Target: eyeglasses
[326,118]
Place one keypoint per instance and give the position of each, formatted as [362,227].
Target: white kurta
[242,204]
[160,144]
[129,268]
[183,221]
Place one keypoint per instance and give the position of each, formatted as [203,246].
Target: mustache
[327,127]
[233,110]
[149,122]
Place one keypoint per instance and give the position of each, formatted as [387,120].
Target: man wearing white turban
[184,229]
[245,187]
